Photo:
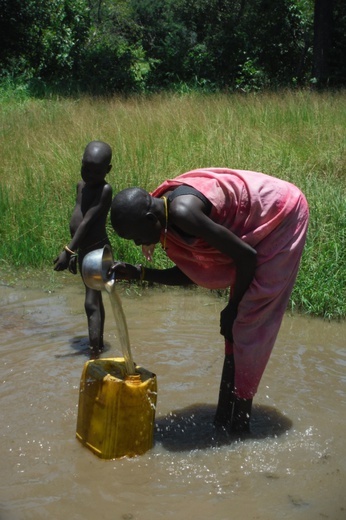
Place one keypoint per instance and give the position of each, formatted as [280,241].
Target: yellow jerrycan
[117,398]
[116,411]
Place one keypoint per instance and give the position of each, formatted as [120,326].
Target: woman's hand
[148,251]
[124,271]
[227,319]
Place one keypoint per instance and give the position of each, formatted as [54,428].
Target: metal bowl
[95,268]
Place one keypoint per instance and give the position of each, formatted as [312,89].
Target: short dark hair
[128,207]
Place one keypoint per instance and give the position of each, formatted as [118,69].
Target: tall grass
[298,136]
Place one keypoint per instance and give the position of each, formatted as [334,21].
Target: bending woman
[224,228]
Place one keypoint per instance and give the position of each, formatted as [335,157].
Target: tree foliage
[42,38]
[105,46]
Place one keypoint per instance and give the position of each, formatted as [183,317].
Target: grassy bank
[298,136]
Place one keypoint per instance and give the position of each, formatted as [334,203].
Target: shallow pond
[293,466]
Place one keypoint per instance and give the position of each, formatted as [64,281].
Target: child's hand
[72,265]
[62,261]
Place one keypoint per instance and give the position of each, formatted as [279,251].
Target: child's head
[96,162]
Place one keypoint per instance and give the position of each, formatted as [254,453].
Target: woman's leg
[224,411]
[233,413]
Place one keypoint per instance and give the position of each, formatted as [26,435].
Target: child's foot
[95,352]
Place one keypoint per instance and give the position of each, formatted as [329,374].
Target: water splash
[121,326]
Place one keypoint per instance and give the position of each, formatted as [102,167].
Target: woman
[224,228]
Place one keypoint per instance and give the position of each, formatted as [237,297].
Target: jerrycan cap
[133,379]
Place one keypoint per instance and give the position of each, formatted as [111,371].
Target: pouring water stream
[121,326]
[95,270]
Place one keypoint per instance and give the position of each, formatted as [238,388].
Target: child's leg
[96,318]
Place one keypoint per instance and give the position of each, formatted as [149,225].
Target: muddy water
[292,467]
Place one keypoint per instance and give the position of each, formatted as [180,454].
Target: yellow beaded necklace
[166,223]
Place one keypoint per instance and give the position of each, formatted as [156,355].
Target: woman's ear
[151,217]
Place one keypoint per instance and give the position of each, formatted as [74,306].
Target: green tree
[329,64]
[227,43]
[42,38]
[104,46]
[113,58]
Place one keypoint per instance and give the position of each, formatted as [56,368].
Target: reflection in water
[292,466]
[80,347]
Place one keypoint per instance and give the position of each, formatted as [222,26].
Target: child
[88,231]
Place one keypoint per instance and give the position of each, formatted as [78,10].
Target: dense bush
[136,45]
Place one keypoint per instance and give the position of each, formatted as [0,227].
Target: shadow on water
[80,347]
[193,428]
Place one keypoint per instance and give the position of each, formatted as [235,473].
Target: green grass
[298,136]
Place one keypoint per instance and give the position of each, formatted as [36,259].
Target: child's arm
[104,203]
[90,216]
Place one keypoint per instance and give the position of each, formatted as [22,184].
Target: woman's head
[133,218]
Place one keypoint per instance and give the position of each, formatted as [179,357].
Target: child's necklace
[166,223]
